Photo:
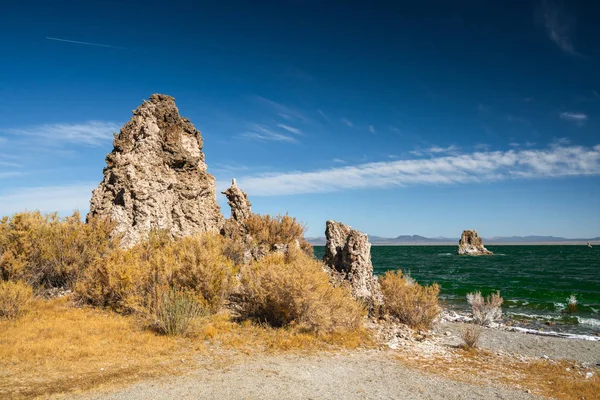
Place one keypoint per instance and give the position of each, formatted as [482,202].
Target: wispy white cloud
[286,112]
[371,129]
[575,117]
[290,129]
[325,117]
[555,161]
[558,25]
[262,133]
[84,43]
[347,122]
[91,133]
[338,161]
[526,144]
[63,199]
[435,150]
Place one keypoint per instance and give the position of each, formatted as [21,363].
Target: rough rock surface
[238,201]
[156,177]
[470,244]
[348,257]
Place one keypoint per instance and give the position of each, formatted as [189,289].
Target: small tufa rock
[471,244]
[239,203]
[348,260]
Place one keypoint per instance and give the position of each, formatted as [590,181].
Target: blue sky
[396,119]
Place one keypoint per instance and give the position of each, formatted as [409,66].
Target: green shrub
[414,305]
[294,290]
[15,299]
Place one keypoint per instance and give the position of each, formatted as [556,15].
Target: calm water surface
[535,281]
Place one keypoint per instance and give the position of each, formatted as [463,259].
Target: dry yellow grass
[555,379]
[57,348]
[219,330]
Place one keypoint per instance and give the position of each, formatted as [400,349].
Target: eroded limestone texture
[156,176]
[348,257]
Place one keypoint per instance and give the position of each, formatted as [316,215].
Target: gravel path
[353,375]
[584,351]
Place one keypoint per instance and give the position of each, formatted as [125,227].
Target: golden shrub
[48,251]
[15,298]
[134,280]
[281,229]
[470,335]
[296,292]
[203,266]
[414,305]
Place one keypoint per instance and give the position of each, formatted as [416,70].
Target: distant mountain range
[417,239]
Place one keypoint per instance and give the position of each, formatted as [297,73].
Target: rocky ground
[385,373]
[584,351]
[363,374]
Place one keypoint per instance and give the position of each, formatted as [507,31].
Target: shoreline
[491,244]
[452,316]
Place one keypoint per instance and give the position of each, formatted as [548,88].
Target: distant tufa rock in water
[348,259]
[156,177]
[470,244]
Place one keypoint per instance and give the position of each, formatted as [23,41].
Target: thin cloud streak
[479,167]
[264,134]
[435,150]
[577,118]
[558,26]
[290,129]
[85,43]
[91,133]
[347,122]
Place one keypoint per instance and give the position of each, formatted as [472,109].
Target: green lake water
[535,281]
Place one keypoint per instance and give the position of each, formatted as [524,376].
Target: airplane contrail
[86,43]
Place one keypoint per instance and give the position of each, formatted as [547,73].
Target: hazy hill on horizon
[418,239]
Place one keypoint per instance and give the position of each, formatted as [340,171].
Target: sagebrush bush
[414,305]
[294,290]
[485,311]
[281,229]
[15,298]
[175,311]
[133,280]
[470,335]
[49,251]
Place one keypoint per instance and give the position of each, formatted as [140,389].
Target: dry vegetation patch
[294,290]
[189,290]
[555,379]
[57,348]
[414,305]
